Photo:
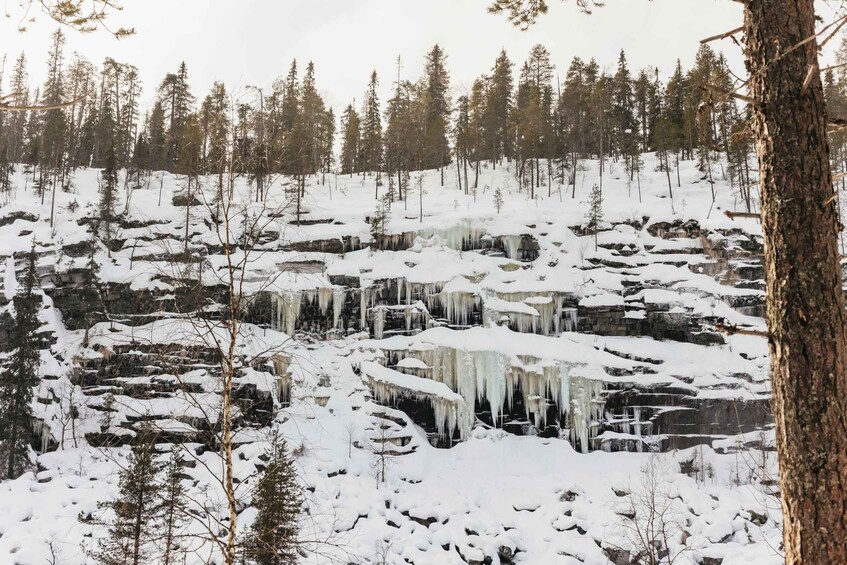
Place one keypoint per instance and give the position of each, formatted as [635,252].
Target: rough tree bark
[805,303]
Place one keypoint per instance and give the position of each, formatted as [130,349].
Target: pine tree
[272,539]
[174,507]
[19,376]
[136,511]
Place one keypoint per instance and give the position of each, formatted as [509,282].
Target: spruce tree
[272,539]
[137,509]
[19,376]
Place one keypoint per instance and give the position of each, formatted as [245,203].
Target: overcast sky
[249,42]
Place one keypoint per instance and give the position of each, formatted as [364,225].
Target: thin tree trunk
[805,303]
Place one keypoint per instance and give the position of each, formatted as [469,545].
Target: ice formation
[486,375]
[451,412]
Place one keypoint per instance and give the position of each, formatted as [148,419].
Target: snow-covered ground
[493,497]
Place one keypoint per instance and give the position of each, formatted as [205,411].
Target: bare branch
[722,35]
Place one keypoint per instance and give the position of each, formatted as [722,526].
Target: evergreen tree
[674,113]
[436,151]
[284,146]
[157,137]
[81,86]
[19,376]
[498,199]
[108,193]
[399,139]
[370,145]
[498,108]
[622,133]
[177,102]
[216,126]
[174,507]
[52,130]
[350,125]
[379,221]
[476,149]
[136,511]
[594,215]
[327,140]
[278,500]
[15,124]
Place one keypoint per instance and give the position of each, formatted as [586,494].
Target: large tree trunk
[805,304]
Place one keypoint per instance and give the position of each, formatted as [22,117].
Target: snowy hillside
[466,385]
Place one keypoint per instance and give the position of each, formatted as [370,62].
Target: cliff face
[455,325]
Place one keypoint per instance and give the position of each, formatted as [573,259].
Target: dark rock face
[394,307]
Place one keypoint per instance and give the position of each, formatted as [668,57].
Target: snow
[542,499]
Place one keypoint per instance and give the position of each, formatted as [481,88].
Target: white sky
[249,42]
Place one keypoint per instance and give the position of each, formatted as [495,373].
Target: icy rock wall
[452,417]
[494,378]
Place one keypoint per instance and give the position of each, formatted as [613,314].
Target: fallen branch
[733,215]
[735,330]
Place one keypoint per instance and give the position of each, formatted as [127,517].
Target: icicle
[490,382]
[338,300]
[364,302]
[511,243]
[379,322]
[287,306]
[586,410]
[636,424]
[571,319]
[325,295]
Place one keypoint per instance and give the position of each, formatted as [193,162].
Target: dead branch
[728,93]
[722,35]
[732,329]
[813,70]
[8,107]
